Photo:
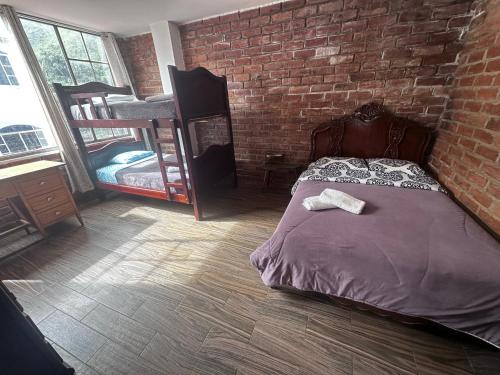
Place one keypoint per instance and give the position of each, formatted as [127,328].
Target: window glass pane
[41,138]
[87,135]
[49,53]
[83,71]
[95,47]
[73,44]
[3,78]
[13,80]
[14,142]
[121,132]
[103,133]
[31,141]
[103,73]
[23,123]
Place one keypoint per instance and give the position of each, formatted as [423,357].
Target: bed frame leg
[101,195]
[197,211]
[235,180]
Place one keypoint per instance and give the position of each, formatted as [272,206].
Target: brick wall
[293,65]
[466,155]
[139,55]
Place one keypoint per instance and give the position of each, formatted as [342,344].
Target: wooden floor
[143,289]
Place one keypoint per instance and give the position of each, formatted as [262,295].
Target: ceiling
[128,17]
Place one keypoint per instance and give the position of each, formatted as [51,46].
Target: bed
[413,253]
[177,171]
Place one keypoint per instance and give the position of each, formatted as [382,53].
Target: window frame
[67,60]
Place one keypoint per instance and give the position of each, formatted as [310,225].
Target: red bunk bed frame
[199,95]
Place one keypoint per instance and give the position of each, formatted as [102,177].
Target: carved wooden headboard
[371,132]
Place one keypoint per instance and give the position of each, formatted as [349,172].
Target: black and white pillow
[381,171]
[394,165]
[340,163]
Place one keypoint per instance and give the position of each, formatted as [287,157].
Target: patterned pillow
[393,166]
[338,163]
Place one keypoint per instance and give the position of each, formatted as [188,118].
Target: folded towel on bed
[316,203]
[159,98]
[343,200]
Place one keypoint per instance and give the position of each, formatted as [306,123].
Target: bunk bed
[198,96]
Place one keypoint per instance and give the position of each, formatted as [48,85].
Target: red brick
[323,58]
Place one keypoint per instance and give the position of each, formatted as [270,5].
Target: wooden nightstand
[280,166]
[41,187]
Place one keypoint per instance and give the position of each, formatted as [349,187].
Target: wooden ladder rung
[164,140]
[164,163]
[176,185]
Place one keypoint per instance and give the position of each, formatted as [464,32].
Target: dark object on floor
[23,347]
[277,163]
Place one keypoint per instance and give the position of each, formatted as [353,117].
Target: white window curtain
[79,178]
[118,68]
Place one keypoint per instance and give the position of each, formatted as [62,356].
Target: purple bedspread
[413,252]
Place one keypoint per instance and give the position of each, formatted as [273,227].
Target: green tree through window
[68,56]
[72,57]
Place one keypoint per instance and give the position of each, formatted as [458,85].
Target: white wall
[168,48]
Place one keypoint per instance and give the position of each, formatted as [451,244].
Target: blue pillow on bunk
[130,157]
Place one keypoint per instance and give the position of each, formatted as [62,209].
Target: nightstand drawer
[49,200]
[41,184]
[54,214]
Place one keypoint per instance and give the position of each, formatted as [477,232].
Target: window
[72,57]
[7,76]
[68,56]
[21,138]
[24,126]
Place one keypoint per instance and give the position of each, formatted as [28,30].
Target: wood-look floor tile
[185,292]
[412,338]
[80,367]
[36,308]
[309,304]
[213,314]
[177,331]
[178,360]
[25,288]
[68,301]
[245,305]
[156,288]
[323,333]
[283,316]
[440,364]
[130,334]
[292,347]
[234,351]
[70,334]
[117,298]
[113,359]
[367,366]
[484,361]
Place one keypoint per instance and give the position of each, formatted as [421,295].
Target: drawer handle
[49,199]
[42,183]
[58,213]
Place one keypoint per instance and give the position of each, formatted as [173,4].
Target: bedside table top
[27,168]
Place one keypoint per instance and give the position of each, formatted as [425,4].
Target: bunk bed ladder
[164,164]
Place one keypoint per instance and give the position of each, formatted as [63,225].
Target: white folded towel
[316,203]
[342,200]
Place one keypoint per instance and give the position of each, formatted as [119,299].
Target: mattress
[144,173]
[412,251]
[138,109]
